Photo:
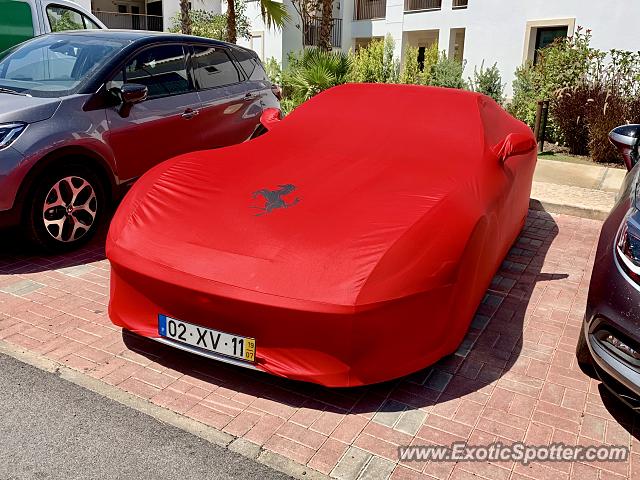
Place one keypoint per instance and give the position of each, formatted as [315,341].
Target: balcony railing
[417,5]
[370,9]
[458,4]
[130,21]
[312,36]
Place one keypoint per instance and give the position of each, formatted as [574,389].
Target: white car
[21,20]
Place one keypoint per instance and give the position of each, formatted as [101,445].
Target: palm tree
[185,19]
[326,24]
[273,13]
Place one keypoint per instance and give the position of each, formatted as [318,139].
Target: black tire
[583,355]
[77,205]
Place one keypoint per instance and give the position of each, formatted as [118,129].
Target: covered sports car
[348,245]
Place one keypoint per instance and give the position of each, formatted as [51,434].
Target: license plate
[242,348]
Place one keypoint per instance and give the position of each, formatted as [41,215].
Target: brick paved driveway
[513,379]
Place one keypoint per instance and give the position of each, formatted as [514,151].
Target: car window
[213,68]
[63,18]
[162,69]
[55,65]
[245,59]
[251,64]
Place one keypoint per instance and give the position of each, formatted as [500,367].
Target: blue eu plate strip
[162,325]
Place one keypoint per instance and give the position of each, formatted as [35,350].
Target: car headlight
[9,132]
[628,247]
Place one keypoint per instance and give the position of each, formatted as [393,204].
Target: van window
[16,23]
[63,18]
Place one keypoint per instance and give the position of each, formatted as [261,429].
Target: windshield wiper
[13,92]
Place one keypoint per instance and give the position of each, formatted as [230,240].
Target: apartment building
[476,31]
[489,31]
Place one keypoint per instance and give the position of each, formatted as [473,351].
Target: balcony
[422,5]
[370,9]
[312,35]
[130,21]
[460,4]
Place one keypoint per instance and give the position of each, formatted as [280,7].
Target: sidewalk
[514,378]
[587,191]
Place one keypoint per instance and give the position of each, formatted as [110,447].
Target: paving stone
[411,421]
[389,413]
[76,270]
[351,464]
[438,380]
[377,469]
[22,287]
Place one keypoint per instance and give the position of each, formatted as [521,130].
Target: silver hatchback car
[83,114]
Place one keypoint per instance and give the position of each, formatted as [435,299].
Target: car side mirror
[627,139]
[514,144]
[270,117]
[130,94]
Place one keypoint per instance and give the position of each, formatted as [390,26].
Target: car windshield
[54,65]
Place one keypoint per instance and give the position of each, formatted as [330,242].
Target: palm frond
[274,13]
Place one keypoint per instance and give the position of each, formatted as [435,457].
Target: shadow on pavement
[620,412]
[18,256]
[488,352]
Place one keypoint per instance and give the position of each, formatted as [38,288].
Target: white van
[21,20]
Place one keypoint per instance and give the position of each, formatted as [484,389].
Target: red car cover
[353,241]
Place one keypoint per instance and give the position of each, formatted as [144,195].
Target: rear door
[257,79]
[229,109]
[17,22]
[162,126]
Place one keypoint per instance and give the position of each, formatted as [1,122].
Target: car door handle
[190,113]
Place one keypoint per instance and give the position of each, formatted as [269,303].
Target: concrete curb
[238,445]
[551,207]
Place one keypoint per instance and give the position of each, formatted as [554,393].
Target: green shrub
[488,82]
[414,73]
[558,76]
[375,63]
[410,72]
[214,25]
[525,94]
[591,92]
[273,70]
[447,72]
[310,73]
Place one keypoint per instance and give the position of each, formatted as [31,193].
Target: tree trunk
[231,22]
[185,19]
[326,24]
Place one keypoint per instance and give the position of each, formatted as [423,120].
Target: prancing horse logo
[274,198]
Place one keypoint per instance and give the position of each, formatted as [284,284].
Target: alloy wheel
[70,209]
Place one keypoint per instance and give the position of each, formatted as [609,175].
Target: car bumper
[334,349]
[613,308]
[10,178]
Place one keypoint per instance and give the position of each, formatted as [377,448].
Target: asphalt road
[53,429]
